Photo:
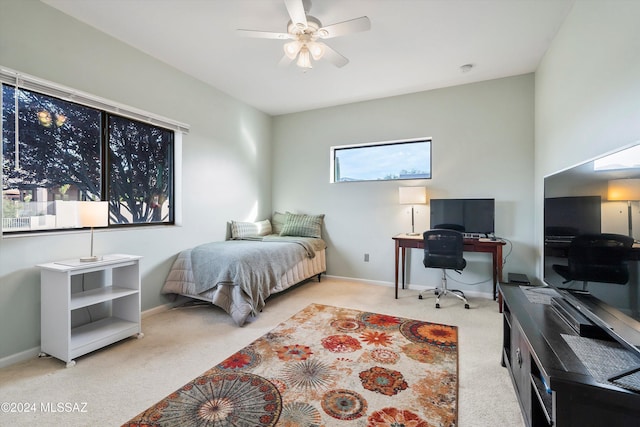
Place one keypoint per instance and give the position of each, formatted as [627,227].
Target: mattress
[181,281]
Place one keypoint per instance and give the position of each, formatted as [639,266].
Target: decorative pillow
[241,230]
[302,225]
[277,221]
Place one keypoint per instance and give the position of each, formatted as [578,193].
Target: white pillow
[241,230]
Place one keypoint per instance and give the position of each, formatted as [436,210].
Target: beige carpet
[110,386]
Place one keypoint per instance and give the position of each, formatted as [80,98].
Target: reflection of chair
[597,258]
[443,249]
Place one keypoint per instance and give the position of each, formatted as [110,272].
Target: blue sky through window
[384,161]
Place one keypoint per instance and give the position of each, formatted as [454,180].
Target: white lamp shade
[316,49]
[413,195]
[304,59]
[624,189]
[291,49]
[93,214]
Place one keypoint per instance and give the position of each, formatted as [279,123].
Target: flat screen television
[473,216]
[587,199]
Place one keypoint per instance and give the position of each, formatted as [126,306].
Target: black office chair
[443,249]
[597,258]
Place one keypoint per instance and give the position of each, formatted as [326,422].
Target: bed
[238,275]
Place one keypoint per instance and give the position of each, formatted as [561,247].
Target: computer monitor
[474,216]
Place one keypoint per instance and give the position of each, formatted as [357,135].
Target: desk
[494,247]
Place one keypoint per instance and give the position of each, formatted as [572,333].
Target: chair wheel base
[419,296]
[437,305]
[466,306]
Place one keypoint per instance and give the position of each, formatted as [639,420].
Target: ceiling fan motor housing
[313,25]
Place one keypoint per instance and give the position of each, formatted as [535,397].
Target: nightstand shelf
[88,305]
[95,335]
[96,296]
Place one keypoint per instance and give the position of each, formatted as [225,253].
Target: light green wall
[586,96]
[482,147]
[587,90]
[226,167]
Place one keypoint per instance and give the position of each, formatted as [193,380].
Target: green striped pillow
[277,221]
[302,225]
[242,230]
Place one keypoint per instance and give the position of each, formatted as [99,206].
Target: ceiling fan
[306,31]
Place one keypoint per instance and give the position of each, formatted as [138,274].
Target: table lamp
[413,196]
[93,214]
[626,190]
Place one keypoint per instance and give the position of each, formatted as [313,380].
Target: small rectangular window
[382,161]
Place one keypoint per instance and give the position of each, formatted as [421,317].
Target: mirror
[596,197]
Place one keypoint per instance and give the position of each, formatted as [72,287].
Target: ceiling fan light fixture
[316,49]
[291,49]
[304,30]
[304,59]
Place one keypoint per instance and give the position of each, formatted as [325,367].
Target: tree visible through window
[140,172]
[54,154]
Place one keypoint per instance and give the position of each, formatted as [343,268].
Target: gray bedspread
[251,267]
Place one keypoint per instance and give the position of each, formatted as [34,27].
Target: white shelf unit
[113,283]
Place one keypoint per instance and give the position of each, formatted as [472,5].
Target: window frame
[335,149]
[107,183]
[24,81]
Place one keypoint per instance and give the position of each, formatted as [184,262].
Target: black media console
[558,384]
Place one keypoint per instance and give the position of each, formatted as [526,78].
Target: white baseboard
[354,279]
[35,351]
[156,310]
[20,357]
[472,293]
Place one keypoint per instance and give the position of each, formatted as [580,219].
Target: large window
[407,159]
[56,152]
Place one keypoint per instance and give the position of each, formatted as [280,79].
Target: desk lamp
[626,190]
[413,196]
[93,214]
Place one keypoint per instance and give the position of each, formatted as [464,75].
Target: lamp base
[413,234]
[90,258]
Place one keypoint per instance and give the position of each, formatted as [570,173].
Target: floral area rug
[326,366]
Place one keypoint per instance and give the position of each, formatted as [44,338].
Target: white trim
[354,279]
[34,352]
[32,83]
[157,310]
[177,179]
[408,286]
[19,357]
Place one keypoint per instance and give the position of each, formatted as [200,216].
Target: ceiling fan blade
[297,13]
[334,57]
[347,27]
[263,34]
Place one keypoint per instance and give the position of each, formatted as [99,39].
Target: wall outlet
[366,257]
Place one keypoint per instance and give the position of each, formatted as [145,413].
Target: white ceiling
[413,45]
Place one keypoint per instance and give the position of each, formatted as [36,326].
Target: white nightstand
[71,289]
